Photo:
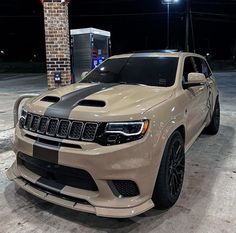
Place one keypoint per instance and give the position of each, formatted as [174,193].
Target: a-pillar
[57,40]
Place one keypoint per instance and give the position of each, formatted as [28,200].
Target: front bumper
[87,208]
[136,161]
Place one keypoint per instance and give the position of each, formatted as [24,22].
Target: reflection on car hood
[99,102]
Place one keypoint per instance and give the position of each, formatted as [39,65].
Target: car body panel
[166,108]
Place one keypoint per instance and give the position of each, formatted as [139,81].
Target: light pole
[168,3]
[187,26]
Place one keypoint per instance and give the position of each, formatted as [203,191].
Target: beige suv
[114,144]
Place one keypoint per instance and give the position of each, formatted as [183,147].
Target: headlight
[127,128]
[123,132]
[23,112]
[23,117]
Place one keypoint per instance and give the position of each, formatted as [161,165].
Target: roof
[90,31]
[166,53]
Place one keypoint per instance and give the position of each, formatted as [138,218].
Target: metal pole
[193,35]
[187,26]
[168,26]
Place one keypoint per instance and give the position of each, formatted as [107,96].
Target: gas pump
[89,48]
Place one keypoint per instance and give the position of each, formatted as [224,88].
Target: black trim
[46,152]
[92,103]
[51,99]
[57,176]
[56,142]
[63,108]
[123,188]
[59,195]
[50,185]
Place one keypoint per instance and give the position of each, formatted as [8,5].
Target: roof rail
[159,51]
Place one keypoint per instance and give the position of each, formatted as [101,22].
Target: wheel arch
[181,129]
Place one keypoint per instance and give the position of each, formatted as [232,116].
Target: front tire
[214,126]
[171,173]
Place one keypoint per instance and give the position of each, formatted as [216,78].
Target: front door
[196,102]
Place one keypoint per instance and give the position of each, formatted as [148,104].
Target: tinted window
[152,71]
[202,67]
[189,67]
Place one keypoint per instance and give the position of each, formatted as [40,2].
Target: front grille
[76,130]
[43,125]
[28,120]
[61,128]
[126,188]
[89,131]
[58,175]
[35,122]
[52,127]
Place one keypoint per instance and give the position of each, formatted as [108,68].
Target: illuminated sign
[62,1]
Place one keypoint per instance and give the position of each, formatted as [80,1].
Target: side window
[189,67]
[202,67]
[205,69]
[198,62]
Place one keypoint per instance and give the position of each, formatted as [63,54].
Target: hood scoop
[92,103]
[51,99]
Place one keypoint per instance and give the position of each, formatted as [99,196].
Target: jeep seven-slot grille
[60,128]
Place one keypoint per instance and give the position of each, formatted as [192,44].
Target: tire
[214,126]
[171,173]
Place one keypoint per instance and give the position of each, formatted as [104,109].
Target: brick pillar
[57,39]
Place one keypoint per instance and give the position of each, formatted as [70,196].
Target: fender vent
[92,103]
[51,99]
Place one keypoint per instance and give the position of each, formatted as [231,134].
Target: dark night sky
[134,24]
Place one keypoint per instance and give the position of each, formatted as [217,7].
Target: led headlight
[123,132]
[23,112]
[22,117]
[127,128]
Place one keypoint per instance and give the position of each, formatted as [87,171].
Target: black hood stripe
[63,108]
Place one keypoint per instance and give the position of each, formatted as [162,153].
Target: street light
[168,3]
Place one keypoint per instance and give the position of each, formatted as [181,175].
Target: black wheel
[214,126]
[171,173]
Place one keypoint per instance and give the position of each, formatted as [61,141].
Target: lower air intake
[126,188]
[58,174]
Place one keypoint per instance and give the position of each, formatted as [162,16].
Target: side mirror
[194,80]
[84,74]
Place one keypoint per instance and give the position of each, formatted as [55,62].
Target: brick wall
[57,41]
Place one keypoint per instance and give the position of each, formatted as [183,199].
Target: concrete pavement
[207,203]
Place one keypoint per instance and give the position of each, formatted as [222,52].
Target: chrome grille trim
[85,131]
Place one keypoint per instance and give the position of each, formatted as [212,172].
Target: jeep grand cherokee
[114,144]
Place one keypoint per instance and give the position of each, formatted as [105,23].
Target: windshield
[151,71]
